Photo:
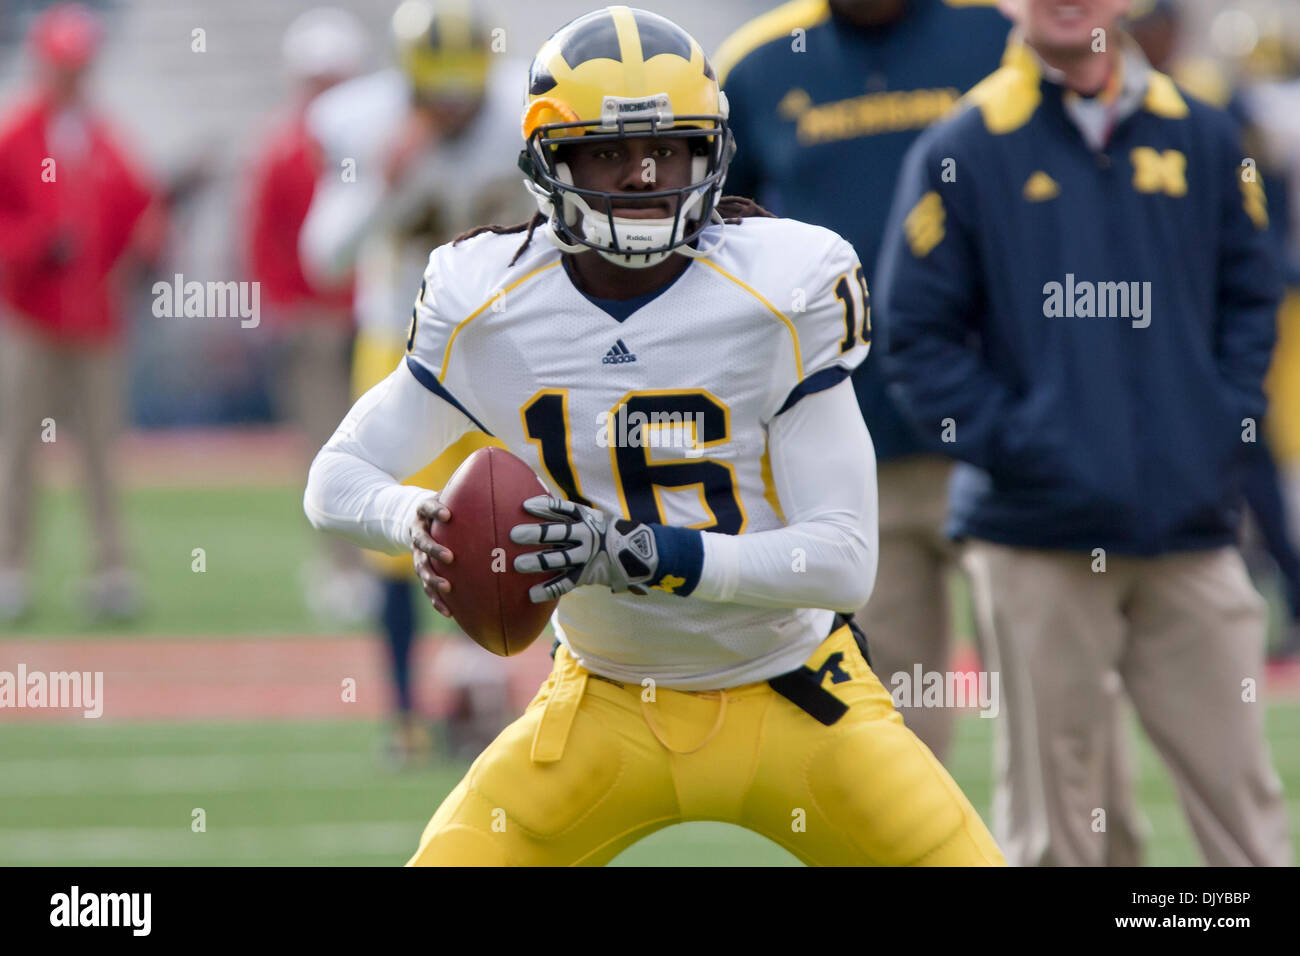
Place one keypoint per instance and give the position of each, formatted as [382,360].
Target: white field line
[191,773]
[244,843]
[131,739]
[307,841]
[184,731]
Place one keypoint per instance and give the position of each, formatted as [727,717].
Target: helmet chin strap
[702,253]
[547,207]
[647,232]
[558,241]
[715,218]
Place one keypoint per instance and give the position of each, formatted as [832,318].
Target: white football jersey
[464,182]
[660,416]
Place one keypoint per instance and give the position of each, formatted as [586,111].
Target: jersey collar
[620,309]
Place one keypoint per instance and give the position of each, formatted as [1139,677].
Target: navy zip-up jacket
[1008,241]
[823,118]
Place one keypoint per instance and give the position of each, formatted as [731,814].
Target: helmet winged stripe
[629,41]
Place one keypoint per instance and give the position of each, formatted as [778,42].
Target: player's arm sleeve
[823,463]
[928,300]
[824,471]
[344,210]
[340,217]
[343,214]
[394,430]
[1250,286]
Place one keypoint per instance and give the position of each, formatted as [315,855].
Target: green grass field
[294,794]
[91,792]
[255,541]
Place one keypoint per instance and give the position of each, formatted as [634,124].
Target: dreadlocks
[732,209]
[530,225]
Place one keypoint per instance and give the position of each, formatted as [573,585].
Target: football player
[414,155]
[706,668]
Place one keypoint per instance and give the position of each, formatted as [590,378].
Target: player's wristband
[681,558]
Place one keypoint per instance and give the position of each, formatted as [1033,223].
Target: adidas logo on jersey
[618,355]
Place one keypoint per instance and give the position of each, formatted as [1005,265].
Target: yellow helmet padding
[544,110]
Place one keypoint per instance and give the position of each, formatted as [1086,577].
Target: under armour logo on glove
[585,546]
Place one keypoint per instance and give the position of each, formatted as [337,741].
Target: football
[489,598]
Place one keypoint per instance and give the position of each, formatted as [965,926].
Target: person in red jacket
[73,204]
[312,326]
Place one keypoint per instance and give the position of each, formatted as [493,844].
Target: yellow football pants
[592,766]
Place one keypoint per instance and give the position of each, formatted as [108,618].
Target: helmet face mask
[616,75]
[584,217]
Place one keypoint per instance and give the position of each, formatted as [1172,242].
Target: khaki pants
[908,621]
[72,386]
[1185,635]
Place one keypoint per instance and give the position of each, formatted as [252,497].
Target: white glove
[587,546]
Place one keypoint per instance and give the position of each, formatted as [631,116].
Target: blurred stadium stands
[198,115]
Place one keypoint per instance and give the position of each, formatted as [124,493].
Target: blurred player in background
[1270,105]
[1106,431]
[414,156]
[823,121]
[1271,93]
[313,328]
[1270,547]
[74,205]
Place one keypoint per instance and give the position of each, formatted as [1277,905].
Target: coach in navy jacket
[1122,432]
[1077,296]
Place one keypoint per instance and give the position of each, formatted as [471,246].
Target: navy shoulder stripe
[816,382]
[430,381]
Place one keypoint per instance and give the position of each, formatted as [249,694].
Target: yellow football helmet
[623,73]
[442,48]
